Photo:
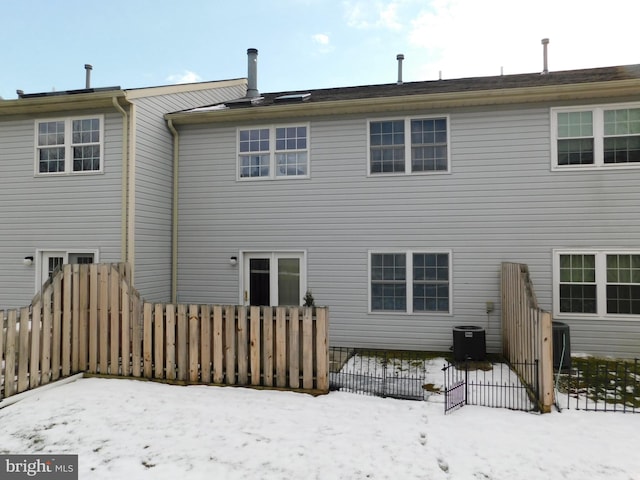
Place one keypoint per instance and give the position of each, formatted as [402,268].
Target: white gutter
[124,254]
[174,216]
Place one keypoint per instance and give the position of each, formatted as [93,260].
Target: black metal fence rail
[497,386]
[600,385]
[383,373]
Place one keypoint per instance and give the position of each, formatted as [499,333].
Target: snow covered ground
[142,430]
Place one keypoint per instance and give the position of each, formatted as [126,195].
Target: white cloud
[373,14]
[464,38]
[321,39]
[185,77]
[323,42]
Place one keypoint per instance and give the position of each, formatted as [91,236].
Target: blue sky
[303,44]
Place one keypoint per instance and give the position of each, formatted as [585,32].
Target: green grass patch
[603,381]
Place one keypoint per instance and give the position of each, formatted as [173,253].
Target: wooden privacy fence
[527,332]
[88,318]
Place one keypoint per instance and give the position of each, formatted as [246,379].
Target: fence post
[545,368]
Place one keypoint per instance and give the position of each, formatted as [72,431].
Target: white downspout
[124,253]
[174,216]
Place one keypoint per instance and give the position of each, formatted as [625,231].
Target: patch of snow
[145,430]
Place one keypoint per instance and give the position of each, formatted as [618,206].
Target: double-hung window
[409,145]
[273,152]
[69,145]
[596,283]
[596,137]
[411,282]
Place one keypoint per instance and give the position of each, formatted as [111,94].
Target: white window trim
[272,152]
[409,280]
[68,157]
[41,252]
[245,255]
[598,137]
[601,283]
[407,148]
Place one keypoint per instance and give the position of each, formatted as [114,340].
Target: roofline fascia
[504,96]
[62,103]
[135,93]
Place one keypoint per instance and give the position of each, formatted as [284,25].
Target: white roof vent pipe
[88,69]
[252,73]
[400,58]
[545,65]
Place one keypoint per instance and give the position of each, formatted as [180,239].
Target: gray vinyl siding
[154,185]
[53,212]
[501,202]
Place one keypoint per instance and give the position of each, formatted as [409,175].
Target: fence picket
[281,347]
[218,351]
[23,350]
[147,341]
[182,342]
[93,318]
[230,344]
[103,345]
[267,325]
[45,365]
[10,355]
[56,328]
[114,315]
[158,340]
[75,319]
[294,348]
[170,365]
[322,350]
[205,344]
[242,354]
[125,328]
[194,340]
[66,340]
[254,345]
[136,336]
[307,346]
[36,351]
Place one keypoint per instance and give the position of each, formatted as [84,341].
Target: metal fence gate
[474,383]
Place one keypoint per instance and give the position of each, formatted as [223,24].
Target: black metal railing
[488,384]
[599,385]
[383,373]
[419,376]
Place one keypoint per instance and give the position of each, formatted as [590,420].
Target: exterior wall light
[28,261]
[233,261]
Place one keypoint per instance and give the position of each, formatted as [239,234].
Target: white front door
[276,278]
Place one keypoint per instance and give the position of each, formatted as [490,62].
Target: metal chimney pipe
[252,73]
[88,68]
[545,66]
[400,58]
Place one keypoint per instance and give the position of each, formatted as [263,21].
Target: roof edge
[134,93]
[503,96]
[62,103]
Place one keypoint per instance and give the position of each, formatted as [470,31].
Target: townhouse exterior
[87,176]
[396,204]
[393,204]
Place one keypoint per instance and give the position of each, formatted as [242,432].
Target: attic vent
[293,98]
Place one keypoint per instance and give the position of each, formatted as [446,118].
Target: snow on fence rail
[88,318]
